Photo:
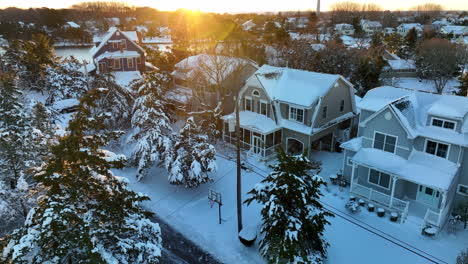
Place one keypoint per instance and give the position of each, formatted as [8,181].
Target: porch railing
[265,152]
[382,199]
[437,218]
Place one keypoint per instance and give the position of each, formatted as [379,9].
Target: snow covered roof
[371,23]
[179,94]
[124,78]
[118,54]
[317,46]
[456,30]
[254,121]
[401,64]
[248,25]
[414,107]
[408,26]
[65,104]
[295,86]
[353,144]
[420,167]
[343,26]
[130,35]
[156,40]
[73,24]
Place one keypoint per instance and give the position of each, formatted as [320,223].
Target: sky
[240,5]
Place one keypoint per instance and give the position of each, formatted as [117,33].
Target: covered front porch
[258,133]
[420,186]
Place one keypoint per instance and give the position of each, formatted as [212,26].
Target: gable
[105,45]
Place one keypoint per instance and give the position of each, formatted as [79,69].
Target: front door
[428,196]
[257,145]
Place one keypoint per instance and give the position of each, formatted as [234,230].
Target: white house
[344,29]
[455,31]
[403,29]
[371,27]
[389,31]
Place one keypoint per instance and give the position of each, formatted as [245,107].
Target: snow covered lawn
[189,211]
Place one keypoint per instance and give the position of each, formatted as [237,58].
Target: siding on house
[339,91]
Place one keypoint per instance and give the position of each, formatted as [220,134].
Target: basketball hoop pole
[239,186]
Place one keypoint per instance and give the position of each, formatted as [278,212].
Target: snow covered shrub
[463,257]
[192,157]
[86,215]
[293,220]
[151,123]
[210,121]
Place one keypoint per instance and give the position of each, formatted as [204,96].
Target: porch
[258,133]
[420,186]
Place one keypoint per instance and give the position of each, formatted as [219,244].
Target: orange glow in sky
[240,5]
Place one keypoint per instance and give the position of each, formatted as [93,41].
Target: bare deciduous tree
[437,60]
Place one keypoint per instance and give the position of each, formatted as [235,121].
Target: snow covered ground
[189,211]
[422,85]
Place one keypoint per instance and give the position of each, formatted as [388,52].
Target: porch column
[394,179]
[352,176]
[444,200]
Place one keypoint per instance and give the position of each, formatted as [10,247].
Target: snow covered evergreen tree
[293,218]
[191,158]
[65,80]
[43,133]
[14,136]
[117,102]
[210,121]
[87,215]
[151,122]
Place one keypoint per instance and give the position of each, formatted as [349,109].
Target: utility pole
[239,183]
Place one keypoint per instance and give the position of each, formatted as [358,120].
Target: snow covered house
[371,27]
[454,31]
[207,79]
[344,29]
[70,24]
[389,31]
[403,29]
[397,67]
[248,25]
[295,109]
[410,155]
[118,51]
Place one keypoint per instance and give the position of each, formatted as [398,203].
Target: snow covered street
[189,211]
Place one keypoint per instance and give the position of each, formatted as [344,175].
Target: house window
[443,123]
[255,93]
[324,112]
[138,60]
[115,45]
[379,178]
[342,106]
[349,162]
[263,108]
[462,189]
[124,44]
[116,64]
[385,142]
[437,148]
[130,63]
[296,114]
[248,104]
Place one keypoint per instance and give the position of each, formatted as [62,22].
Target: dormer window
[256,93]
[296,114]
[438,122]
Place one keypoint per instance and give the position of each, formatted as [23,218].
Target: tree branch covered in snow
[293,220]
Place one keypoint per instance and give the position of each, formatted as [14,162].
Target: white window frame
[443,123]
[295,115]
[438,142]
[385,134]
[462,193]
[380,175]
[349,162]
[256,91]
[263,102]
[130,63]
[245,103]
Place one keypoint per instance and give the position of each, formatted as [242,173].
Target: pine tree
[151,122]
[14,136]
[463,88]
[210,121]
[87,215]
[191,158]
[411,40]
[116,102]
[65,80]
[43,133]
[293,219]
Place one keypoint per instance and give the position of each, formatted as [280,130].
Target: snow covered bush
[293,220]
[151,123]
[210,121]
[86,215]
[191,158]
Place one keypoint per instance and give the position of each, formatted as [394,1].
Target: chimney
[318,8]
